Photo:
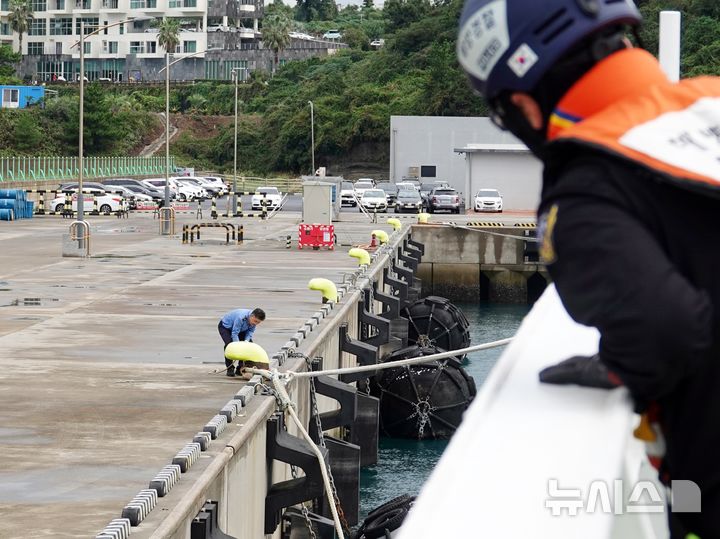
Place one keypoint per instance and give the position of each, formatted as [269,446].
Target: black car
[443,198]
[408,200]
[391,191]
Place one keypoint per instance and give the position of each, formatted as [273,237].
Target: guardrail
[14,169]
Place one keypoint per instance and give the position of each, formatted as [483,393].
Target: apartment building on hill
[130,52]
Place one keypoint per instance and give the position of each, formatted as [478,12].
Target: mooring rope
[288,405]
[378,366]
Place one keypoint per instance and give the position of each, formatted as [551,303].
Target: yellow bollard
[395,223]
[381,235]
[363,257]
[423,218]
[326,286]
[247,354]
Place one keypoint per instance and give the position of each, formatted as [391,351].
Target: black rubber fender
[385,522]
[399,501]
[435,321]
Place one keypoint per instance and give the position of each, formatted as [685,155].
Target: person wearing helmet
[630,195]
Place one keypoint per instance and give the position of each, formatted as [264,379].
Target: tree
[311,10]
[276,34]
[169,34]
[27,135]
[20,16]
[7,59]
[100,126]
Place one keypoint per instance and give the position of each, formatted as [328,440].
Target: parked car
[391,191]
[217,28]
[408,185]
[132,197]
[159,183]
[361,186]
[200,192]
[157,194]
[216,182]
[442,198]
[377,43]
[332,34]
[488,200]
[408,200]
[272,198]
[441,183]
[105,203]
[374,200]
[347,194]
[71,187]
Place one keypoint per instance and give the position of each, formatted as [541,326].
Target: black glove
[581,370]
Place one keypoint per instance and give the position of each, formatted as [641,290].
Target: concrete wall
[432,140]
[470,265]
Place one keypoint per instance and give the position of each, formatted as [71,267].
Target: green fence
[14,169]
[250,183]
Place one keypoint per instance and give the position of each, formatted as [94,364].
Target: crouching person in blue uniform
[238,325]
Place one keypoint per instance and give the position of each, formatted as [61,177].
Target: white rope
[380,366]
[290,407]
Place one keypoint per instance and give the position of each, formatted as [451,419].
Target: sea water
[404,465]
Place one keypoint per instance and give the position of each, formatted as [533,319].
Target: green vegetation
[354,92]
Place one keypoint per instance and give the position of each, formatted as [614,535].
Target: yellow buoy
[395,223]
[363,257]
[247,354]
[381,235]
[326,286]
[423,218]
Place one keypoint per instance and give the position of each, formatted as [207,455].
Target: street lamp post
[81,43]
[236,76]
[168,64]
[312,136]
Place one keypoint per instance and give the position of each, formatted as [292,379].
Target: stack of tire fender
[385,518]
[426,400]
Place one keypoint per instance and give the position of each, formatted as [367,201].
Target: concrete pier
[105,367]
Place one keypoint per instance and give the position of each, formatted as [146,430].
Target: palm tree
[276,34]
[169,34]
[20,16]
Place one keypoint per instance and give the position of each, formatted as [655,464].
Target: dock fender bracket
[282,446]
[391,304]
[205,523]
[345,415]
[370,319]
[366,354]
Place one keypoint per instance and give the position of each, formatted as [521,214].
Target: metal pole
[166,203]
[312,136]
[670,44]
[82,111]
[234,201]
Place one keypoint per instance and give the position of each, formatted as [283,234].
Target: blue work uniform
[238,322]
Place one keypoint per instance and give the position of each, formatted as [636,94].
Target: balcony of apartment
[234,39]
[183,7]
[80,6]
[110,6]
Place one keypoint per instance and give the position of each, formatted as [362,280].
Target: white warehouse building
[469,153]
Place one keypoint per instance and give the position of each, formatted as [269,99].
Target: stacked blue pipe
[14,205]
